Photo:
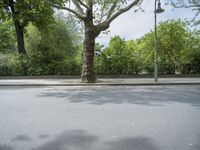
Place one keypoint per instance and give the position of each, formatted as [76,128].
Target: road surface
[100,118]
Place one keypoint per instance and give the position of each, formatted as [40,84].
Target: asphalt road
[100,118]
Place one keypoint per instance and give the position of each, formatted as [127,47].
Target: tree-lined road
[100,118]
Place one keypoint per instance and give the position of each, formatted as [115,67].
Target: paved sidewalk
[100,82]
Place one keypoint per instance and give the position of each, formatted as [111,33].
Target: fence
[163,69]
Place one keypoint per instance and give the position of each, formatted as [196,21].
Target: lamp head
[159,10]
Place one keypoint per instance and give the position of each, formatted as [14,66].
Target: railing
[163,69]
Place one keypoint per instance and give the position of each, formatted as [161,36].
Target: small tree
[96,16]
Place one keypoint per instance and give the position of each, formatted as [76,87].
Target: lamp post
[157,10]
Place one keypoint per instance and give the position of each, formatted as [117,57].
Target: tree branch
[102,13]
[89,4]
[123,10]
[78,7]
[187,6]
[105,25]
[81,3]
[112,9]
[182,4]
[66,8]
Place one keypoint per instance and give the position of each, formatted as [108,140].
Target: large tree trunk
[88,74]
[20,37]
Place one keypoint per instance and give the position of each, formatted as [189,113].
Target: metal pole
[155,44]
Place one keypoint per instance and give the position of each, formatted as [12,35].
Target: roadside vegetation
[41,41]
[57,51]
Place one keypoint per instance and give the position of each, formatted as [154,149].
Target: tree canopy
[25,11]
[22,12]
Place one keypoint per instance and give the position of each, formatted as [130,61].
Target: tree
[137,56]
[96,16]
[22,12]
[119,58]
[53,51]
[114,57]
[172,36]
[172,46]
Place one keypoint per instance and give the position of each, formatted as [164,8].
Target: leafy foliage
[7,37]
[12,64]
[178,51]
[120,57]
[22,12]
[52,52]
[55,50]
[25,11]
[172,36]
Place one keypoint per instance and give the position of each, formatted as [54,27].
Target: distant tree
[117,55]
[137,56]
[173,47]
[120,57]
[172,36]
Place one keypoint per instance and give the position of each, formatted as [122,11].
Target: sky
[131,25]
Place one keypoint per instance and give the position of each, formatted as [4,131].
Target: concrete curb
[102,84]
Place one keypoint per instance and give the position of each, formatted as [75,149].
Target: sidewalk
[100,82]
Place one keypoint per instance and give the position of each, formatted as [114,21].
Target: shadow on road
[21,138]
[197,146]
[150,96]
[132,143]
[74,139]
[5,147]
[82,140]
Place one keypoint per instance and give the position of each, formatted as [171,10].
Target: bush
[13,65]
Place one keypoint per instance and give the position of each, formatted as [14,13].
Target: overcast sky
[132,25]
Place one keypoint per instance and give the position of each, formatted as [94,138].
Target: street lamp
[157,10]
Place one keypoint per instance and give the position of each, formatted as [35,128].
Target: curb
[103,84]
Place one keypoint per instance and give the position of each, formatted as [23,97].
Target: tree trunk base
[88,77]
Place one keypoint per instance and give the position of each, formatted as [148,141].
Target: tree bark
[20,37]
[18,29]
[88,74]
